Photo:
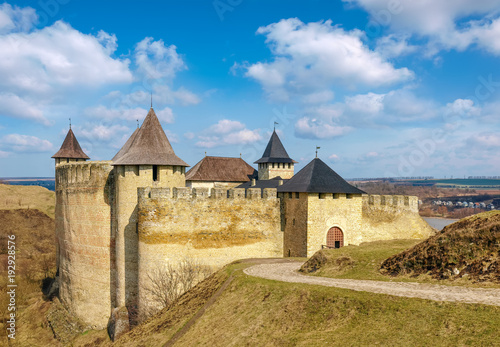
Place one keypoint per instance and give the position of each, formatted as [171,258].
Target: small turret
[275,161]
[70,150]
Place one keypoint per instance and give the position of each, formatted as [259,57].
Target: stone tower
[70,150]
[146,160]
[275,161]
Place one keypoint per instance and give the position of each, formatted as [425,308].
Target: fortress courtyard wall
[211,229]
[84,197]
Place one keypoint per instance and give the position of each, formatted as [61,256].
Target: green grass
[363,262]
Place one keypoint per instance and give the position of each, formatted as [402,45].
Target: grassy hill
[468,248]
[27,197]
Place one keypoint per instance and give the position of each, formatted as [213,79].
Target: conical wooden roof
[221,169]
[70,148]
[317,177]
[275,152]
[126,146]
[150,146]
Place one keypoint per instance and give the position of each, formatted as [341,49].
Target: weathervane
[151,99]
[275,123]
[137,123]
[70,123]
[317,151]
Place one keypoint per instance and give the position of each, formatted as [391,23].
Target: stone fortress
[117,220]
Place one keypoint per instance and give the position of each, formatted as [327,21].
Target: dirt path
[287,272]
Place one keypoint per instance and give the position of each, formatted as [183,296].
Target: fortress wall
[128,179]
[84,193]
[333,210]
[387,217]
[294,224]
[210,228]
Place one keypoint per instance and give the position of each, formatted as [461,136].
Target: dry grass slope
[27,197]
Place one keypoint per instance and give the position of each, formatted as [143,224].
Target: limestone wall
[128,179]
[363,218]
[84,196]
[294,224]
[387,217]
[333,210]
[213,229]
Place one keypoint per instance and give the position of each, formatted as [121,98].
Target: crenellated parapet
[395,203]
[187,193]
[78,174]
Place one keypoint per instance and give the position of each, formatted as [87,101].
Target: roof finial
[317,151]
[205,153]
[137,123]
[151,98]
[70,123]
[240,155]
[275,123]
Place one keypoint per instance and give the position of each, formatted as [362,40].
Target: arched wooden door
[335,238]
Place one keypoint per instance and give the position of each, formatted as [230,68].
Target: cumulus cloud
[446,24]
[227,132]
[155,60]
[106,114]
[101,132]
[25,143]
[313,128]
[393,46]
[57,57]
[16,19]
[309,58]
[13,106]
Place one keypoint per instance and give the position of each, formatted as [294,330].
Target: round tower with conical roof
[146,160]
[275,161]
[70,150]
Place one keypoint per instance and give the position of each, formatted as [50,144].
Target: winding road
[287,272]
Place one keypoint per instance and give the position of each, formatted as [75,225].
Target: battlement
[82,173]
[403,202]
[187,193]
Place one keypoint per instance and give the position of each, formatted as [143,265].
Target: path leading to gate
[287,272]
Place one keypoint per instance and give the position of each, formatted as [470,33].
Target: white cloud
[16,19]
[101,132]
[225,126]
[370,103]
[25,143]
[57,57]
[13,106]
[4,154]
[393,46]
[485,140]
[189,135]
[309,58]
[162,95]
[106,114]
[318,129]
[227,132]
[446,24]
[155,60]
[333,157]
[462,108]
[318,97]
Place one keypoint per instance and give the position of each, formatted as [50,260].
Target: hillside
[468,248]
[27,197]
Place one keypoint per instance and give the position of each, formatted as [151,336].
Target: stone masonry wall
[387,217]
[128,179]
[212,229]
[333,210]
[294,224]
[84,196]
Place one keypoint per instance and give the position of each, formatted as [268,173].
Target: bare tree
[168,281]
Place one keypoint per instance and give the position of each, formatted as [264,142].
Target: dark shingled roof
[221,169]
[272,183]
[70,148]
[317,177]
[275,152]
[126,146]
[150,146]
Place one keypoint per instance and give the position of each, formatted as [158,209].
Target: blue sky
[384,87]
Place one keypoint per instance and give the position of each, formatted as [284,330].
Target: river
[439,223]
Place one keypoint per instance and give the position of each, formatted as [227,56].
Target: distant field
[460,182]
